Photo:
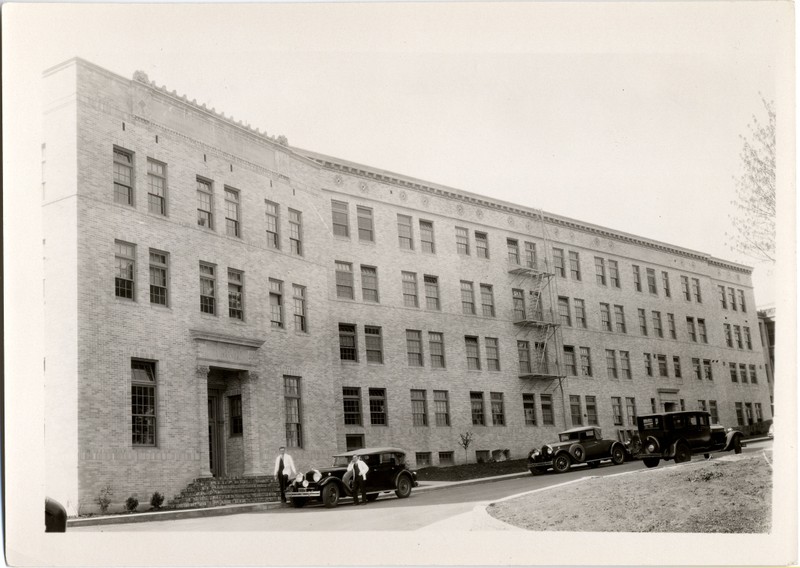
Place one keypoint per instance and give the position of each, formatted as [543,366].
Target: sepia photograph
[480,283]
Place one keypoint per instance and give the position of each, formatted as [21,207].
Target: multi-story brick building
[212,293]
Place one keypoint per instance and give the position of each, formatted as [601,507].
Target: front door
[216,455]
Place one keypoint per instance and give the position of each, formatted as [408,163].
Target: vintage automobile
[678,435]
[578,445]
[387,472]
[55,516]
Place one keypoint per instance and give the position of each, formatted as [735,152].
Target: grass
[471,470]
[717,496]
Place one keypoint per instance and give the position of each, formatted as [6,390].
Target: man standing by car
[284,470]
[359,469]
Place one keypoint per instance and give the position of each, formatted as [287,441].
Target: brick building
[212,293]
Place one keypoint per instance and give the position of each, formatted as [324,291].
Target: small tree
[104,500]
[464,442]
[156,500]
[131,503]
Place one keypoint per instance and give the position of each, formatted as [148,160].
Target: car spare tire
[577,452]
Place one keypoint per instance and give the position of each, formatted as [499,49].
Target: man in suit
[284,470]
[359,469]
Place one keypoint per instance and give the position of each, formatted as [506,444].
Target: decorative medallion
[403,195]
[610,244]
[571,236]
[597,242]
[337,179]
[362,186]
[510,221]
[528,225]
[479,213]
[425,201]
[555,231]
[460,209]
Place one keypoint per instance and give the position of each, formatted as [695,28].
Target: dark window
[377,407]
[351,397]
[143,403]
[347,342]
[237,423]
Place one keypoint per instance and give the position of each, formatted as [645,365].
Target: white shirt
[288,466]
[363,468]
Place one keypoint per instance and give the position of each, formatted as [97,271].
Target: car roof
[579,429]
[365,451]
[674,413]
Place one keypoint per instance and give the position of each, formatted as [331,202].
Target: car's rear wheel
[298,502]
[682,453]
[651,462]
[403,487]
[372,497]
[330,495]
[617,455]
[562,463]
[737,445]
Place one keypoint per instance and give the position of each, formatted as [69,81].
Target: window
[676,366]
[235,294]
[156,187]
[436,347]
[563,311]
[498,409]
[432,292]
[441,407]
[473,355]
[747,339]
[419,409]
[616,410]
[569,360]
[208,285]
[586,361]
[723,302]
[354,441]
[701,329]
[732,299]
[691,329]
[295,232]
[739,414]
[351,397]
[651,281]
[625,364]
[648,364]
[613,273]
[759,413]
[574,266]
[630,407]
[492,354]
[529,408]
[518,298]
[476,401]
[158,277]
[276,303]
[410,299]
[232,212]
[422,459]
[344,280]
[524,355]
[671,326]
[467,298]
[546,400]
[637,278]
[685,288]
[575,410]
[662,365]
[580,312]
[273,225]
[611,364]
[513,251]
[558,262]
[366,230]
[205,203]
[414,347]
[299,308]
[143,403]
[235,410]
[696,290]
[753,375]
[124,281]
[698,372]
[347,342]
[123,177]
[619,316]
[665,283]
[642,322]
[743,372]
[374,343]
[741,301]
[377,407]
[530,255]
[404,232]
[600,270]
[369,283]
[341,219]
[481,245]
[291,395]
[462,241]
[446,458]
[605,317]
[712,409]
[657,329]
[426,236]
[487,300]
[591,411]
[737,333]
[734,375]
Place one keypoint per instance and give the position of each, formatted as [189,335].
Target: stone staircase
[219,491]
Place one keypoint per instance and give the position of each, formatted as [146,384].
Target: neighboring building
[766,329]
[212,294]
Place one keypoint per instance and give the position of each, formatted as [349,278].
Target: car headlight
[549,450]
[317,476]
[305,483]
[535,453]
[728,430]
[299,478]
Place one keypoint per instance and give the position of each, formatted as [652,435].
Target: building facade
[212,293]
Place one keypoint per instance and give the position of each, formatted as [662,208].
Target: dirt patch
[471,470]
[717,496]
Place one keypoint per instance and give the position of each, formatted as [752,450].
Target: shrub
[131,503]
[104,500]
[156,500]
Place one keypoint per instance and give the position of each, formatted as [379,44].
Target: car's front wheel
[330,495]
[403,487]
[682,453]
[617,455]
[561,463]
[650,462]
[298,502]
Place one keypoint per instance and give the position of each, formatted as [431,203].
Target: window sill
[342,238]
[349,363]
[210,317]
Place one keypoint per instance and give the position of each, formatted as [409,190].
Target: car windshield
[340,461]
[567,436]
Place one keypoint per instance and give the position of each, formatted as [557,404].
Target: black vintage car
[678,435]
[387,472]
[578,445]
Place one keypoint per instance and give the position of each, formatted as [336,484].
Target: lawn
[719,496]
[471,470]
